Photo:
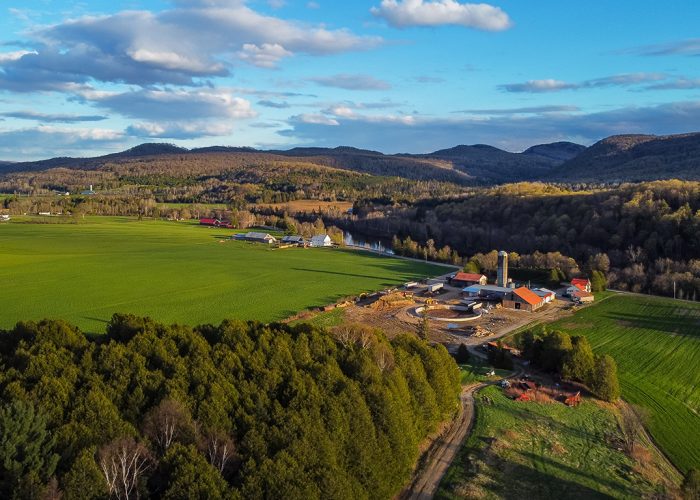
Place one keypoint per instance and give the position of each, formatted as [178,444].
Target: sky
[397,76]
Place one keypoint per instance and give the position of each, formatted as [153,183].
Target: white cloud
[265,56]
[180,130]
[352,82]
[33,143]
[174,104]
[13,56]
[536,86]
[405,13]
[315,119]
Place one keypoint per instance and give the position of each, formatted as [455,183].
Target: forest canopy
[238,410]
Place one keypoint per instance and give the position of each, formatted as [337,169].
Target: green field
[544,451]
[174,272]
[656,343]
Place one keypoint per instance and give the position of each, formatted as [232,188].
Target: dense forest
[239,410]
[644,237]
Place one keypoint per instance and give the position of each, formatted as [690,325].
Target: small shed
[321,240]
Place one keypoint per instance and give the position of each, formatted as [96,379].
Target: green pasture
[174,272]
[542,451]
[656,343]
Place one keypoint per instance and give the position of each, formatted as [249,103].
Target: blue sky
[393,75]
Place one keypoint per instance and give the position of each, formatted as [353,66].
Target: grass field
[656,343]
[544,451]
[174,272]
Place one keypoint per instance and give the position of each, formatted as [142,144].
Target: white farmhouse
[321,240]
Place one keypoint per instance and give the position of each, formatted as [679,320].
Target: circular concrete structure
[464,314]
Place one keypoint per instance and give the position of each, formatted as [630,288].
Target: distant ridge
[614,159]
[622,158]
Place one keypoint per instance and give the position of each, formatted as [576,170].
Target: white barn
[321,240]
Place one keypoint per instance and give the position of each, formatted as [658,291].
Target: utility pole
[674,289]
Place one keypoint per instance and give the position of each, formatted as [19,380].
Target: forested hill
[628,158]
[465,165]
[239,410]
[622,158]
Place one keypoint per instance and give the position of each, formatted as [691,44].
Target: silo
[502,276]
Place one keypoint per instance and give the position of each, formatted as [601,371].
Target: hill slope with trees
[239,410]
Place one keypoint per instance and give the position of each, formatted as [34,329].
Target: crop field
[545,451]
[174,272]
[656,343]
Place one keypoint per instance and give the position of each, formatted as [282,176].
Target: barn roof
[580,281]
[528,295]
[468,277]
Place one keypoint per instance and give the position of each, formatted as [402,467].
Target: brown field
[308,205]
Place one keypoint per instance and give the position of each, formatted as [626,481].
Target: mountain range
[614,159]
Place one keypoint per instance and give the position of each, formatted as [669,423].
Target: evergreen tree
[605,383]
[424,326]
[599,282]
[462,356]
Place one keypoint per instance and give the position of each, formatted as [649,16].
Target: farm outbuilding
[546,294]
[321,240]
[256,237]
[467,279]
[524,299]
[490,292]
[581,297]
[292,240]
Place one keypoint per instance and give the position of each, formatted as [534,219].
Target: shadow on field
[666,322]
[539,481]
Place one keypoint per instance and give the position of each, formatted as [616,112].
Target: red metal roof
[528,295]
[468,277]
[580,281]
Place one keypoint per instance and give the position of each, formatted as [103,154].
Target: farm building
[490,292]
[292,240]
[582,296]
[467,279]
[546,294]
[256,237]
[524,299]
[582,284]
[321,240]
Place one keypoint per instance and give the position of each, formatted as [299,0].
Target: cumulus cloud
[173,104]
[179,130]
[551,85]
[352,82]
[52,118]
[181,46]
[33,143]
[405,13]
[265,56]
[512,132]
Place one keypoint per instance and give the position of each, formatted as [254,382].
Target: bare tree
[219,449]
[166,423]
[123,462]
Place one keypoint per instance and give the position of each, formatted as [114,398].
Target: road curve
[443,451]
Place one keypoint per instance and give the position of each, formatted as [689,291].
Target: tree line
[238,410]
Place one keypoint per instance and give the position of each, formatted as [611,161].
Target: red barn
[467,279]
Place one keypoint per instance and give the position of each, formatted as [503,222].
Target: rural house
[546,294]
[321,240]
[468,279]
[582,284]
[523,299]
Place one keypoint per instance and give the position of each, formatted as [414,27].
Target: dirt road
[437,459]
